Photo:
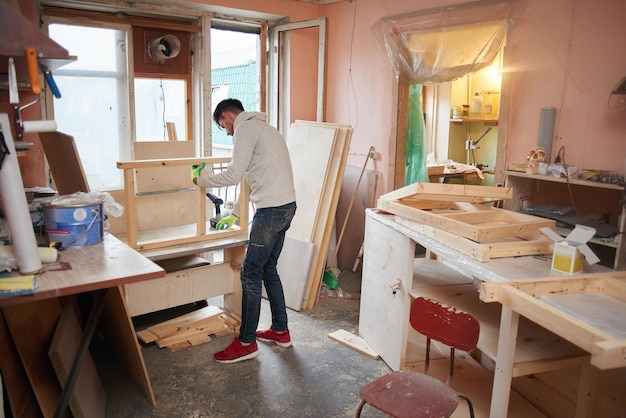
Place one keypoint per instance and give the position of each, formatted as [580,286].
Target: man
[261,156]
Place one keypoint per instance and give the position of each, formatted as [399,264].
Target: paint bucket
[74,225]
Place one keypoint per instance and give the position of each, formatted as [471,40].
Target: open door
[297,91]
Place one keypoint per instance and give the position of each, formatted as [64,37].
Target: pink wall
[568,54]
[565,53]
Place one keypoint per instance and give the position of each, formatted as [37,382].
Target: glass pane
[158,101]
[234,73]
[94,47]
[88,111]
[94,103]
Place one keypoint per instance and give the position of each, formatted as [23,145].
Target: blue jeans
[267,236]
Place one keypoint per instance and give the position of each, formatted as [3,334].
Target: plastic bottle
[487,104]
[476,105]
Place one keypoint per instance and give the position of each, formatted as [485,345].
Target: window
[94,103]
[158,102]
[234,73]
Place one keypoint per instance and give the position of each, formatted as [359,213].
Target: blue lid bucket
[74,225]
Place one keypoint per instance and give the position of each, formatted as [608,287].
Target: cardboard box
[570,252]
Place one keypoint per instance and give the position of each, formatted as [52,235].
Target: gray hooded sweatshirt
[260,155]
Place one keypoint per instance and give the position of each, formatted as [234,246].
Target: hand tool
[217,201]
[14,101]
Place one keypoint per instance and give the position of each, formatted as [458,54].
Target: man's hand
[195,171]
[226,222]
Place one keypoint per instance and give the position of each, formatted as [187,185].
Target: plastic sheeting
[443,44]
[416,168]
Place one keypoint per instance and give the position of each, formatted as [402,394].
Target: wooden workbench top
[100,266]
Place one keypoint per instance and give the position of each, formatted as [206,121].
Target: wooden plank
[311,161]
[154,179]
[183,322]
[326,218]
[179,287]
[354,342]
[181,263]
[190,342]
[571,329]
[550,286]
[207,326]
[20,394]
[64,160]
[171,131]
[294,268]
[32,326]
[483,252]
[502,224]
[609,354]
[120,335]
[88,398]
[447,189]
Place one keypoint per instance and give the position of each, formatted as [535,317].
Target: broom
[331,275]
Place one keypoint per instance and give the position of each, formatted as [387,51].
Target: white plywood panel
[310,148]
[383,316]
[294,266]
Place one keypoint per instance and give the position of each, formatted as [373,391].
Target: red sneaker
[236,351]
[281,339]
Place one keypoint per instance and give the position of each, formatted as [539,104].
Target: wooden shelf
[486,121]
[562,180]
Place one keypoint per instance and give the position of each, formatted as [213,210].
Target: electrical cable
[163,110]
[561,155]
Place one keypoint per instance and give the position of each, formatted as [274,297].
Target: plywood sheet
[294,266]
[158,179]
[20,394]
[120,335]
[65,165]
[311,150]
[326,216]
[32,326]
[88,398]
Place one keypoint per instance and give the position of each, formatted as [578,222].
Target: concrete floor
[316,377]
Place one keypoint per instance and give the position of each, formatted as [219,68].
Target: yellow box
[566,258]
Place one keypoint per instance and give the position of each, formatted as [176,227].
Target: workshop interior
[459,239]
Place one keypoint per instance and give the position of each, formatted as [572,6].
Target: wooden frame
[453,214]
[588,329]
[177,234]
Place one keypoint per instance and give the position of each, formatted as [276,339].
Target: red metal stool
[412,394]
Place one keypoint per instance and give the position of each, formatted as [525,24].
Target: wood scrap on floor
[354,342]
[191,329]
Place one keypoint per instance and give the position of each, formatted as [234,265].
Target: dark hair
[227,105]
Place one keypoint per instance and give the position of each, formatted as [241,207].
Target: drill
[217,201]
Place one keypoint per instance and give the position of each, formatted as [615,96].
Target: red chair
[413,394]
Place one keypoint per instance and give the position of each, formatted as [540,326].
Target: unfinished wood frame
[454,214]
[529,298]
[181,183]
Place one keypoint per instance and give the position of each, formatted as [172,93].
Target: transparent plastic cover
[443,44]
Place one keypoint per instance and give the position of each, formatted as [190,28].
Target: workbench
[98,270]
[393,276]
